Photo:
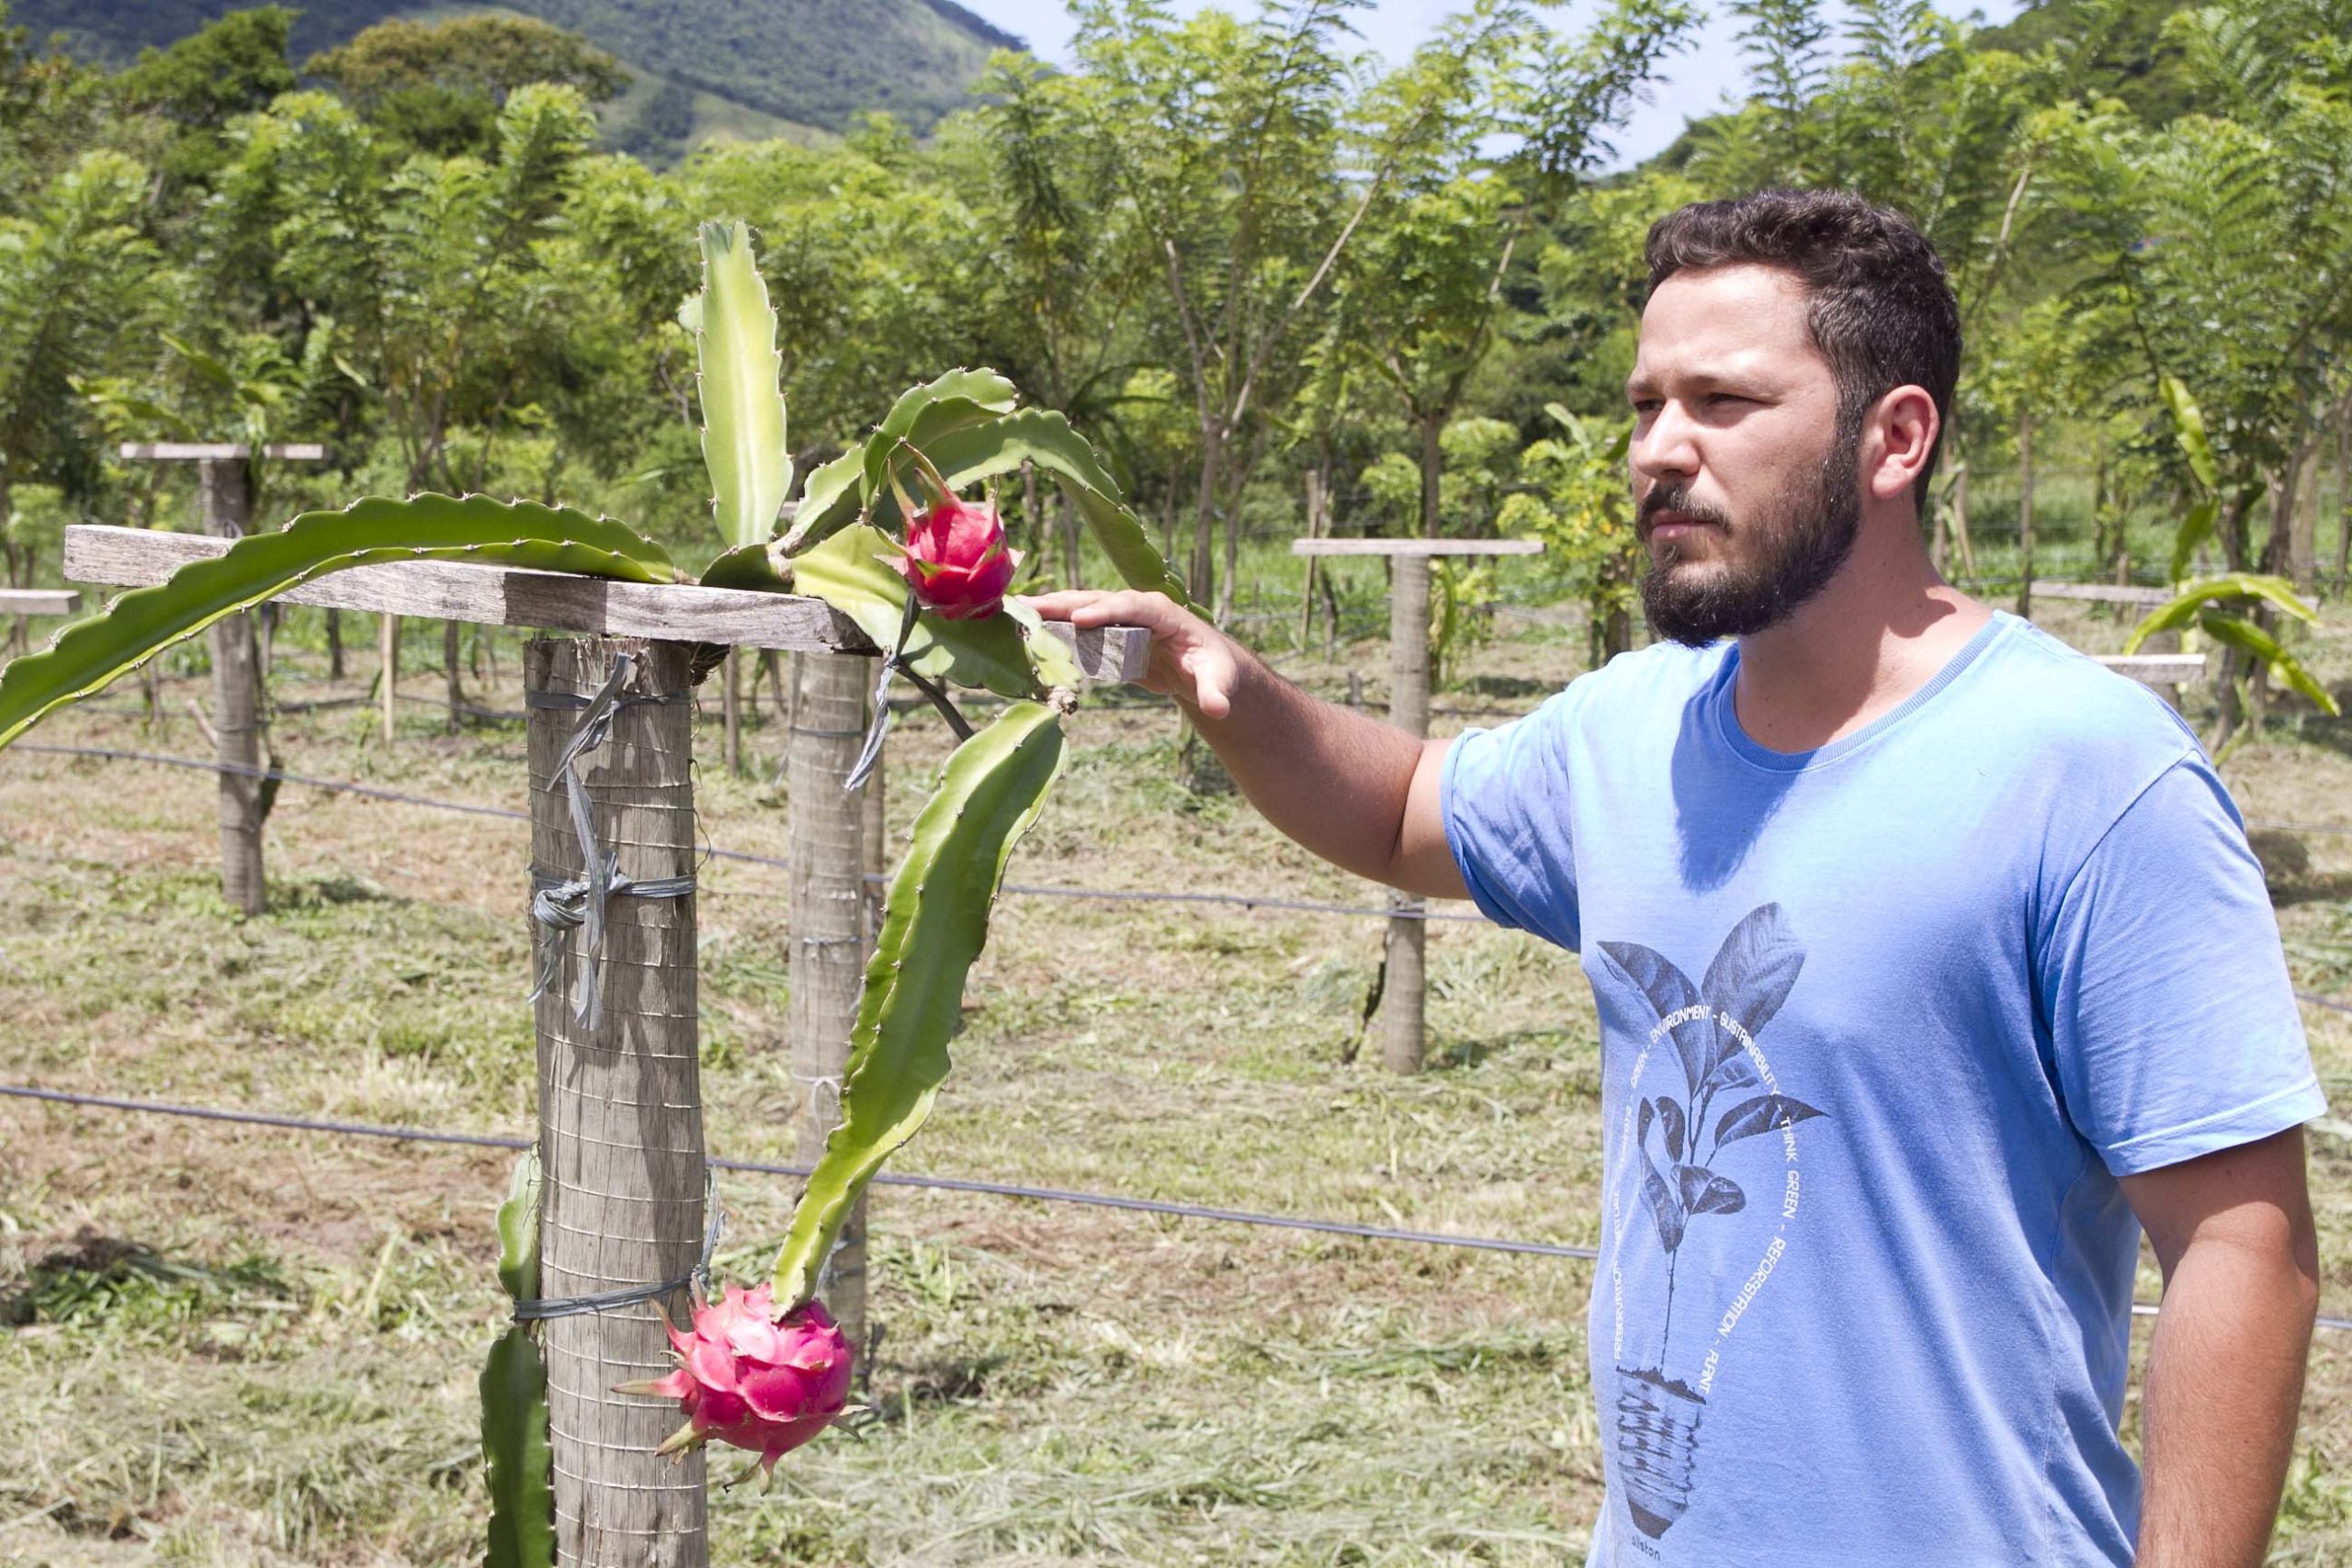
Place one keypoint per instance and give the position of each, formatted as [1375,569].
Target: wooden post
[388,667]
[620,1104]
[221,504]
[874,839]
[1314,531]
[730,698]
[2025,515]
[828,913]
[1404,997]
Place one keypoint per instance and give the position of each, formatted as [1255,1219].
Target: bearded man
[1932,966]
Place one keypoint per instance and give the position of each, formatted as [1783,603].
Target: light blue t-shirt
[1881,1025]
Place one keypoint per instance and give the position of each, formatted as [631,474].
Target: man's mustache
[1675,497]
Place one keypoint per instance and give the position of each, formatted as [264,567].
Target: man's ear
[1898,440]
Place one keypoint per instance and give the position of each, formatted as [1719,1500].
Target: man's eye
[1646,406]
[1725,399]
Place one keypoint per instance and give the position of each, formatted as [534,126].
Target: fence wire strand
[1159,1206]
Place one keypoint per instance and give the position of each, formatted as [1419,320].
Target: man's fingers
[1125,606]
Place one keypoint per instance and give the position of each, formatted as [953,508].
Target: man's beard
[1798,543]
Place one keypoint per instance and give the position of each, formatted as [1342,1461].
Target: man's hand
[1363,796]
[1190,660]
[2233,1233]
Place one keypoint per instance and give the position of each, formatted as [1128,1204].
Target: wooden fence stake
[1404,996]
[388,665]
[620,1107]
[1404,1003]
[828,913]
[221,503]
[730,698]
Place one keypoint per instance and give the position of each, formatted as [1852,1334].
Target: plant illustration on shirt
[1712,1027]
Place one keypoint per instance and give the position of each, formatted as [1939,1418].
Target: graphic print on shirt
[1729,1095]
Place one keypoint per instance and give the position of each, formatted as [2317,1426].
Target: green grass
[237,1346]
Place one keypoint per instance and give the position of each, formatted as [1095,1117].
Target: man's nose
[1665,446]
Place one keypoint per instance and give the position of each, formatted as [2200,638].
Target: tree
[439,86]
[1224,138]
[1426,278]
[73,275]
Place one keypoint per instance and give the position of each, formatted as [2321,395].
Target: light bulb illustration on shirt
[1731,1094]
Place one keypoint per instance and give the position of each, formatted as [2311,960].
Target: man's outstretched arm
[1356,792]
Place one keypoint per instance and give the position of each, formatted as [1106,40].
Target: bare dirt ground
[238,1345]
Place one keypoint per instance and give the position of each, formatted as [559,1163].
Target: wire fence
[1165,1208]
[1249,901]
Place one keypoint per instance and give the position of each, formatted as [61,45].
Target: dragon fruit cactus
[955,557]
[746,1378]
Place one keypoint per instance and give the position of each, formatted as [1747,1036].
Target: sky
[1694,82]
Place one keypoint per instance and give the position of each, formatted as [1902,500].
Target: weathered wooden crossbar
[1421,548]
[2102,592]
[2156,669]
[38,602]
[512,596]
[220,451]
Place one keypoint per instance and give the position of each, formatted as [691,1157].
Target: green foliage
[439,86]
[229,67]
[935,925]
[1580,509]
[73,273]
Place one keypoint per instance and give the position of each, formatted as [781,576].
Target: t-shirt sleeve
[2172,1019]
[1503,794]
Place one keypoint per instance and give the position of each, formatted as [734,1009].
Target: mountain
[750,65]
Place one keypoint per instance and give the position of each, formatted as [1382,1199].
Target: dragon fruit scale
[746,1378]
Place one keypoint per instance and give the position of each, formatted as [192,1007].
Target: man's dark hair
[1880,308]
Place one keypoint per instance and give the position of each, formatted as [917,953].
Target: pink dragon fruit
[956,558]
[747,1380]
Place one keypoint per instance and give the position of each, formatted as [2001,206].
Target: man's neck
[1881,630]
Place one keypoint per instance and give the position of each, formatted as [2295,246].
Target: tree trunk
[1960,518]
[828,913]
[2344,503]
[2025,515]
[620,1105]
[2302,520]
[335,645]
[1203,583]
[1433,471]
[1072,531]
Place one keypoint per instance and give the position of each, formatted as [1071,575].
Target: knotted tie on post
[538,1309]
[579,902]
